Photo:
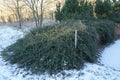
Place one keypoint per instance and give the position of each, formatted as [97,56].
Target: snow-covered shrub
[52,49]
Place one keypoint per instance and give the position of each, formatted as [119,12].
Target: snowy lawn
[107,70]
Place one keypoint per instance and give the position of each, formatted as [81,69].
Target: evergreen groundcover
[52,49]
[105,30]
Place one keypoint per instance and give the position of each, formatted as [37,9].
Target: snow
[107,69]
[111,56]
[8,36]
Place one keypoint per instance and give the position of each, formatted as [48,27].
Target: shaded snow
[111,56]
[110,59]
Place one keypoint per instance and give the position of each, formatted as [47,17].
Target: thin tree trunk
[41,16]
[19,14]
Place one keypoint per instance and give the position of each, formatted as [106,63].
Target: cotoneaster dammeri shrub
[105,30]
[52,49]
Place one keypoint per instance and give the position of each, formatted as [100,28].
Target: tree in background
[16,7]
[86,9]
[41,12]
[115,11]
[3,19]
[116,6]
[73,9]
[58,15]
[103,8]
[68,11]
[19,12]
[36,7]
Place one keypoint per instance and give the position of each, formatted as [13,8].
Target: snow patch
[111,56]
[8,36]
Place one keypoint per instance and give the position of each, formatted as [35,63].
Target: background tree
[19,11]
[103,8]
[68,11]
[16,7]
[71,6]
[116,6]
[41,10]
[58,15]
[36,7]
[86,9]
[115,11]
[73,9]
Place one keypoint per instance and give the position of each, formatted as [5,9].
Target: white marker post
[75,38]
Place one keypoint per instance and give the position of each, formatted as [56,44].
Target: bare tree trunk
[41,16]
[15,6]
[36,11]
[18,10]
[3,19]
[9,19]
[32,4]
[36,7]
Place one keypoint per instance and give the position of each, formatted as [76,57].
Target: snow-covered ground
[108,69]
[111,56]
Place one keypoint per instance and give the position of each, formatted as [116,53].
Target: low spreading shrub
[52,49]
[105,30]
[115,17]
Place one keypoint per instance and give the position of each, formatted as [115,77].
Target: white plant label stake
[75,38]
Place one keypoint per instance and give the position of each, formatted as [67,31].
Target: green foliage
[99,9]
[116,6]
[115,17]
[58,14]
[86,10]
[74,9]
[52,49]
[71,6]
[86,7]
[70,10]
[87,47]
[103,8]
[105,29]
[116,12]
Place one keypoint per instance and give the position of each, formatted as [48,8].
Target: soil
[117,30]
